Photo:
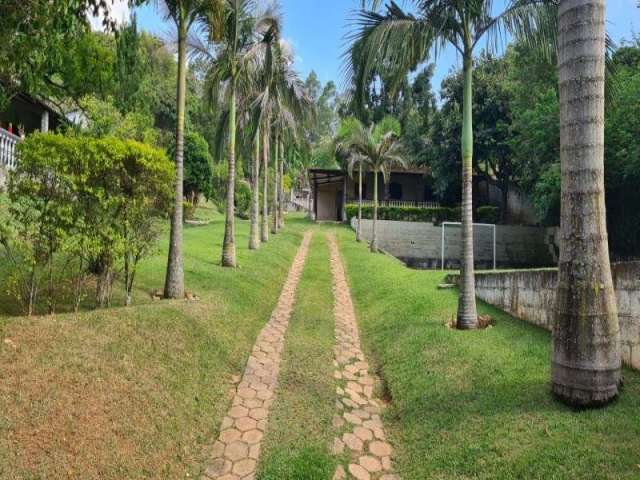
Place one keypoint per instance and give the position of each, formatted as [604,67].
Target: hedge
[431,215]
[408,214]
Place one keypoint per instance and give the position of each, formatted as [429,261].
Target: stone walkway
[235,454]
[361,438]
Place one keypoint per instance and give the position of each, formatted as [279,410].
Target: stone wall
[419,245]
[530,295]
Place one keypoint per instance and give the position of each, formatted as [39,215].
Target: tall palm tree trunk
[374,228]
[264,230]
[359,227]
[174,280]
[586,365]
[254,231]
[276,174]
[229,243]
[467,317]
[345,186]
[281,192]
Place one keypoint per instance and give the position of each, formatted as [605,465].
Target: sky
[317,28]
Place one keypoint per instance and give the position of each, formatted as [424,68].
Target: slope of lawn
[296,445]
[137,392]
[478,404]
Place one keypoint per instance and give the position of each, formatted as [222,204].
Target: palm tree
[400,41]
[183,13]
[379,145]
[347,158]
[281,183]
[282,108]
[233,64]
[254,216]
[276,188]
[360,161]
[586,365]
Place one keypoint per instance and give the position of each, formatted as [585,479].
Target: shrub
[189,210]
[408,214]
[243,199]
[94,203]
[488,214]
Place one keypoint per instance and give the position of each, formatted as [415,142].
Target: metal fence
[398,203]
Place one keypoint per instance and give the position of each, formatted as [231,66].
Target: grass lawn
[477,404]
[137,392]
[299,435]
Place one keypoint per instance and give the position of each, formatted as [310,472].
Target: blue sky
[317,28]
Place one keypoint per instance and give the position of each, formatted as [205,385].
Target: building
[24,115]
[332,189]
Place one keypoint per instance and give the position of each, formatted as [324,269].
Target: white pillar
[44,121]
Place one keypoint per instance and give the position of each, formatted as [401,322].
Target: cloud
[119,12]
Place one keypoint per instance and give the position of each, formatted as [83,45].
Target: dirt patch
[484,322]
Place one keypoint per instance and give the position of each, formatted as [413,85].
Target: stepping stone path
[362,440]
[235,454]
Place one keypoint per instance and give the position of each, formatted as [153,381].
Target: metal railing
[397,203]
[8,151]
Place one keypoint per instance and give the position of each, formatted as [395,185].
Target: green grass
[299,433]
[478,404]
[137,392]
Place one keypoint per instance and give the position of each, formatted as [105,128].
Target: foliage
[92,202]
[197,166]
[105,120]
[408,214]
[488,214]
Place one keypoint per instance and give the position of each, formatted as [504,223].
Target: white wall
[419,244]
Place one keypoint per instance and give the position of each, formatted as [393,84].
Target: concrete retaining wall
[530,295]
[419,244]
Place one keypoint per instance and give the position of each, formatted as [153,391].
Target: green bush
[488,214]
[408,214]
[243,199]
[89,205]
[188,210]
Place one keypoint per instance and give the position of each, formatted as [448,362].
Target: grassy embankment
[137,392]
[478,404]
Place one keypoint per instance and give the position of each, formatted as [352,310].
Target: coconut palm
[381,149]
[184,14]
[399,41]
[233,62]
[586,352]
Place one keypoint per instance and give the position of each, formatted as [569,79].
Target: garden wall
[418,244]
[530,295]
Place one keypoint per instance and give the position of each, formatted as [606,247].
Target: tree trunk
[345,184]
[281,193]
[586,365]
[467,317]
[359,227]
[374,231]
[174,280]
[264,231]
[229,243]
[276,173]
[254,233]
